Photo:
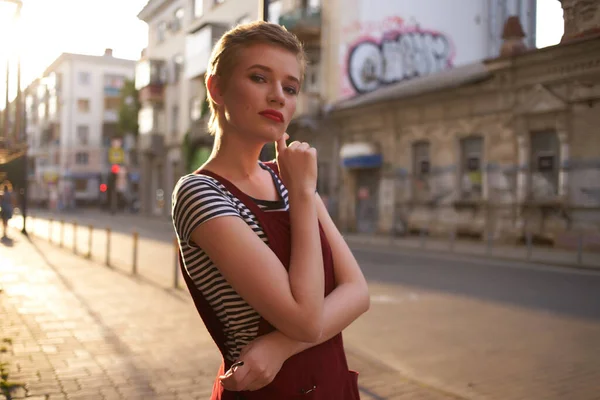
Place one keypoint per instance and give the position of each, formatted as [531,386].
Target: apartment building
[72,114]
[170,78]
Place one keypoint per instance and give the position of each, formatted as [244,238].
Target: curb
[427,251]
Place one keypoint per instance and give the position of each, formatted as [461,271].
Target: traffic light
[115,168]
[103,187]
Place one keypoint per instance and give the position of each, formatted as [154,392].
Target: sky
[49,29]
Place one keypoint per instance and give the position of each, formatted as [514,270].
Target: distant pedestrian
[6,208]
[270,274]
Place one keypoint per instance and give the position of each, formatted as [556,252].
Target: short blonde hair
[224,54]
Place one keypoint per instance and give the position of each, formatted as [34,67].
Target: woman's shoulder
[196,182]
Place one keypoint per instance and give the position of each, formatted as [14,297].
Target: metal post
[580,248]
[75,237]
[108,247]
[422,237]
[135,253]
[529,240]
[176,269]
[90,230]
[452,239]
[490,240]
[62,232]
[50,221]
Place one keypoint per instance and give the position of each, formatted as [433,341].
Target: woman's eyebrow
[267,69]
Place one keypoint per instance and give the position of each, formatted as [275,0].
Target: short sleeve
[197,199]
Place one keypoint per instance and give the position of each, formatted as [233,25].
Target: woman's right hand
[297,165]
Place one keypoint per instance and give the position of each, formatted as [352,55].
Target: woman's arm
[348,300]
[292,302]
[264,356]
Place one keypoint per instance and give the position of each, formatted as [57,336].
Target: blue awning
[368,161]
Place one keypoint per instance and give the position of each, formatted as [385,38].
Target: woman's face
[259,97]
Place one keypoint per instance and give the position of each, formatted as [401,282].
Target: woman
[6,209]
[270,274]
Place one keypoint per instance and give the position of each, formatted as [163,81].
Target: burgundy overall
[319,373]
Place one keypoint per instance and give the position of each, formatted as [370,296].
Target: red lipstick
[272,114]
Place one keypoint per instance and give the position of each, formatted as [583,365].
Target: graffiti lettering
[399,56]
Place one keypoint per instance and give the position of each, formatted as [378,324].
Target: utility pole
[6,111]
[264,10]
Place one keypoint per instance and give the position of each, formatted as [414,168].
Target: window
[421,171]
[83,105]
[198,8]
[84,78]
[544,165]
[113,85]
[177,67]
[81,158]
[112,103]
[274,11]
[161,32]
[174,121]
[313,4]
[83,133]
[177,22]
[471,182]
[81,185]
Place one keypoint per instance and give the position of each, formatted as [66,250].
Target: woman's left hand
[263,358]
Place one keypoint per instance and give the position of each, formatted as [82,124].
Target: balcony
[304,23]
[150,80]
[198,47]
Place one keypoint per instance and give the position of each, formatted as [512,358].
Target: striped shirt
[200,198]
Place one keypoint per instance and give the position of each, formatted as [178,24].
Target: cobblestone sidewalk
[73,329]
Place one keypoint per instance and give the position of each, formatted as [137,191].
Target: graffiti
[400,54]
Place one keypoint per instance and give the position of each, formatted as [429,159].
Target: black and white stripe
[200,198]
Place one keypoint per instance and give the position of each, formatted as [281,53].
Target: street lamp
[19,117]
[16,16]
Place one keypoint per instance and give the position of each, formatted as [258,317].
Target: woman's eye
[291,90]
[258,78]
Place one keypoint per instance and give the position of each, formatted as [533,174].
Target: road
[480,329]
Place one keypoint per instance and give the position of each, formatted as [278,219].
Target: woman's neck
[234,157]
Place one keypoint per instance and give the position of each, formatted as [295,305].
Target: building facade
[163,92]
[500,148]
[72,114]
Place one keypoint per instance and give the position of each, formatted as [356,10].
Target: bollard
[490,240]
[422,238]
[529,240]
[62,233]
[135,253]
[50,221]
[580,249]
[452,240]
[108,247]
[75,237]
[90,232]
[176,269]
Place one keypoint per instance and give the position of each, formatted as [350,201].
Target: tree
[129,107]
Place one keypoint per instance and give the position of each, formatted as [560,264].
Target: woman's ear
[214,89]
